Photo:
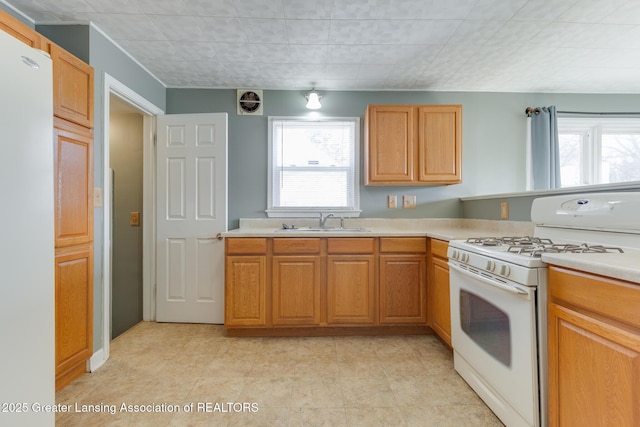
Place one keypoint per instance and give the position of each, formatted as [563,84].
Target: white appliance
[499,296]
[27,359]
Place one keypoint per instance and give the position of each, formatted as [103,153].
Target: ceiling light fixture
[313,100]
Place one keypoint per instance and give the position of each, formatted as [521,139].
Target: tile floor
[325,381]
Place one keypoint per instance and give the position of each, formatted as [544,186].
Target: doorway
[126,125]
[149,112]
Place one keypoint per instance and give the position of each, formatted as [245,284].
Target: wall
[493,138]
[126,154]
[520,205]
[104,57]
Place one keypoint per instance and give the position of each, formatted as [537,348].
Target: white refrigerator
[27,346]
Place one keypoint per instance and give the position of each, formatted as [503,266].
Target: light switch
[134,218]
[98,199]
[392,201]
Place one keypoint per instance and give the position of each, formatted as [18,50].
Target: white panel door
[192,210]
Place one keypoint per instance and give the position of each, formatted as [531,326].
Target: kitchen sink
[318,229]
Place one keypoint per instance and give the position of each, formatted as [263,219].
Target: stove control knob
[505,270]
[454,254]
[464,257]
[491,265]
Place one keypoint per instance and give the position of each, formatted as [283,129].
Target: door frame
[149,112]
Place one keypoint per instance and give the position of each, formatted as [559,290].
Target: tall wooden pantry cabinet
[73,190]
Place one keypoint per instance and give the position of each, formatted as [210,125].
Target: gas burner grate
[509,240]
[537,250]
[585,248]
[485,241]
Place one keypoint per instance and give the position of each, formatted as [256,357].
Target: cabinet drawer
[248,245]
[356,245]
[439,248]
[296,246]
[611,298]
[403,244]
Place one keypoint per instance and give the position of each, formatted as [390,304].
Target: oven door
[493,331]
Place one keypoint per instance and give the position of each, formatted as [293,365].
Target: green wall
[91,45]
[493,141]
[519,205]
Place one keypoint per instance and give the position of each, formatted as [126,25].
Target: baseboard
[96,361]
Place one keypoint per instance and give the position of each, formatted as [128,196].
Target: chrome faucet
[323,219]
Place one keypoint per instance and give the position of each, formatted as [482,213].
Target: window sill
[556,191]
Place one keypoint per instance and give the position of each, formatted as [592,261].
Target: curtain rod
[530,110]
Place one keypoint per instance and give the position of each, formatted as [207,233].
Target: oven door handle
[503,286]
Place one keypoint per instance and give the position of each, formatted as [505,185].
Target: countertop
[624,266]
[438,228]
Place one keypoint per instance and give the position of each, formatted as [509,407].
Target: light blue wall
[493,139]
[91,46]
[105,57]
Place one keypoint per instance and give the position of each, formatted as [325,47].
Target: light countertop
[444,229]
[624,266]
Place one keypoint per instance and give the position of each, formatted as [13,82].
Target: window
[313,166]
[598,150]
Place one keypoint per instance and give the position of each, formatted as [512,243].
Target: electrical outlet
[392,201]
[409,202]
[504,210]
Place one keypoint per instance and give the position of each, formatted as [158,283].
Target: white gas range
[499,296]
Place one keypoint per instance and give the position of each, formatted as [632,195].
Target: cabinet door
[594,371]
[19,30]
[245,291]
[390,150]
[440,144]
[74,312]
[439,299]
[72,88]
[350,289]
[296,290]
[403,289]
[73,167]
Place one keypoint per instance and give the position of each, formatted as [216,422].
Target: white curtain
[545,157]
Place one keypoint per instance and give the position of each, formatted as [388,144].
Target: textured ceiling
[590,46]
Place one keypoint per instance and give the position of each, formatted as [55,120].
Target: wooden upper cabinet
[73,87]
[440,143]
[389,144]
[413,144]
[73,167]
[19,30]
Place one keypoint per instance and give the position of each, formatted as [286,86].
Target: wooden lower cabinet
[74,312]
[594,350]
[296,290]
[439,300]
[403,280]
[332,286]
[403,289]
[351,289]
[245,290]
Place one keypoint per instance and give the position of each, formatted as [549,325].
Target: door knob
[219,236]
